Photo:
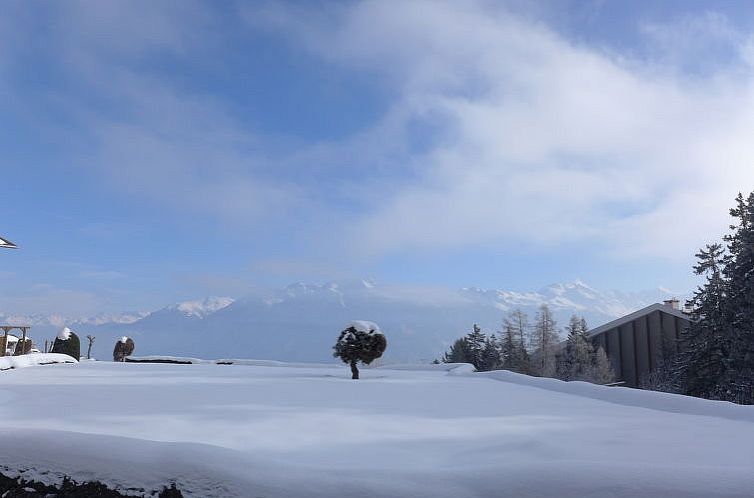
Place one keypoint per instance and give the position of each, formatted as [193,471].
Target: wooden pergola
[4,339]
[7,244]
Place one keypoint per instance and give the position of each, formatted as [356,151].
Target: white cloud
[525,137]
[543,140]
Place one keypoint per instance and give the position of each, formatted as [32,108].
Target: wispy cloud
[540,140]
[491,129]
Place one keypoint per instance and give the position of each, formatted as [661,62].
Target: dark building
[640,342]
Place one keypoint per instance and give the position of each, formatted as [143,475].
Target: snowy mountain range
[301,321]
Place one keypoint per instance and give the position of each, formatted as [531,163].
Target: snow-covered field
[295,431]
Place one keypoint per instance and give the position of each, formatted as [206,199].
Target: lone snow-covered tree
[67,342]
[124,347]
[360,341]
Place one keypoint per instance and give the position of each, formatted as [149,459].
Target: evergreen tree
[705,345]
[458,353]
[123,348]
[738,382]
[579,357]
[490,358]
[475,341]
[67,342]
[603,371]
[476,348]
[544,341]
[508,347]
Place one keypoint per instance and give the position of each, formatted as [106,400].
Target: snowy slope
[30,360]
[301,321]
[201,308]
[241,431]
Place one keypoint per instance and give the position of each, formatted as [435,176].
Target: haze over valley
[300,322]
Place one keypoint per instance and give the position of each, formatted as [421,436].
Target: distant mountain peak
[200,308]
[299,322]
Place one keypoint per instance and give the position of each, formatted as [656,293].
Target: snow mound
[359,326]
[365,326]
[424,431]
[451,368]
[30,360]
[184,360]
[201,308]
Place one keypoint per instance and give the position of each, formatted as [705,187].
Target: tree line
[716,358]
[534,349]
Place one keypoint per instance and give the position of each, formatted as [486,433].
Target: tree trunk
[89,352]
[354,370]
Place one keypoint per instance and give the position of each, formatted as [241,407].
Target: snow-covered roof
[28,360]
[7,244]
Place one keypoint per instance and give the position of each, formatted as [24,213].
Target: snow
[28,360]
[360,326]
[224,361]
[200,308]
[365,326]
[429,431]
[422,321]
[64,334]
[124,339]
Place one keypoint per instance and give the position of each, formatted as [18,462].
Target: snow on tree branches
[67,342]
[360,341]
[124,347]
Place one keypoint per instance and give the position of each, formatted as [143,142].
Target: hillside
[301,321]
[241,431]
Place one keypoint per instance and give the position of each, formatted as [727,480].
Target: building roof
[7,243]
[637,314]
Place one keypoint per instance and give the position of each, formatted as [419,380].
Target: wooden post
[23,343]
[5,341]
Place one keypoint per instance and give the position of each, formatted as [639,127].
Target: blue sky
[156,152]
